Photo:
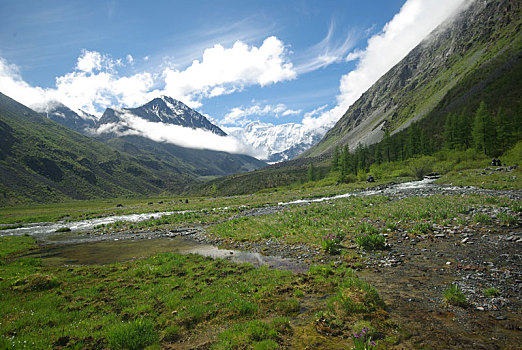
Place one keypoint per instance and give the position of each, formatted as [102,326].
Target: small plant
[482,218]
[366,227]
[491,292]
[372,241]
[289,306]
[362,341]
[63,229]
[506,219]
[171,333]
[454,296]
[132,335]
[421,227]
[331,243]
[392,225]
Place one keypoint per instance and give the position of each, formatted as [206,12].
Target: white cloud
[89,61]
[178,135]
[415,20]
[96,84]
[242,116]
[225,70]
[325,52]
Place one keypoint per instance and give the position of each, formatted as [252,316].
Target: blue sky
[275,61]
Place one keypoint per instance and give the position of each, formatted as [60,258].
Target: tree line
[487,133]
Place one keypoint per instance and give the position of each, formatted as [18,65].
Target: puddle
[107,252]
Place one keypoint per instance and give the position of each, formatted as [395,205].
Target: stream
[79,246]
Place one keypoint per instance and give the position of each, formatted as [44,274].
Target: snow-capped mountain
[79,121]
[276,143]
[160,110]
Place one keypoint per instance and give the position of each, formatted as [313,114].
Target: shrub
[371,241]
[132,335]
[420,167]
[454,296]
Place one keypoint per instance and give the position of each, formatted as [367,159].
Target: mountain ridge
[418,84]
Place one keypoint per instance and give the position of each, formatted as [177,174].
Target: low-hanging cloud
[175,134]
[415,20]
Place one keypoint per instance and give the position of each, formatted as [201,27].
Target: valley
[279,279]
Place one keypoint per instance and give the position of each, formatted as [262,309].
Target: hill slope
[458,64]
[42,161]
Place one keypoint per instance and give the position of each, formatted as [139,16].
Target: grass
[164,299]
[453,295]
[133,335]
[373,241]
[491,292]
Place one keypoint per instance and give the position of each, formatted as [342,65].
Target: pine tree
[311,172]
[464,125]
[483,131]
[335,159]
[450,132]
[505,130]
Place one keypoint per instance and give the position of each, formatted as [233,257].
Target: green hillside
[42,161]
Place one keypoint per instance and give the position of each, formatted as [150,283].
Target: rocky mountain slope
[56,111]
[462,61]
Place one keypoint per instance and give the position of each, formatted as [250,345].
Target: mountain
[160,110]
[276,143]
[117,129]
[197,163]
[62,114]
[475,56]
[42,161]
[471,57]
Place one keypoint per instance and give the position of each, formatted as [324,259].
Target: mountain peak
[165,110]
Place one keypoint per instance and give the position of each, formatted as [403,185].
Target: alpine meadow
[261,175]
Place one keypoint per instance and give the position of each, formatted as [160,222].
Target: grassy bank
[171,298]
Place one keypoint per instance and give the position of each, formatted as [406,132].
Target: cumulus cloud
[415,20]
[92,87]
[240,116]
[222,71]
[96,83]
[175,134]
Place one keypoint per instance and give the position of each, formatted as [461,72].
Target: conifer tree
[335,159]
[450,132]
[483,130]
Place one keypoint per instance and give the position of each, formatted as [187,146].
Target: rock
[464,240]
